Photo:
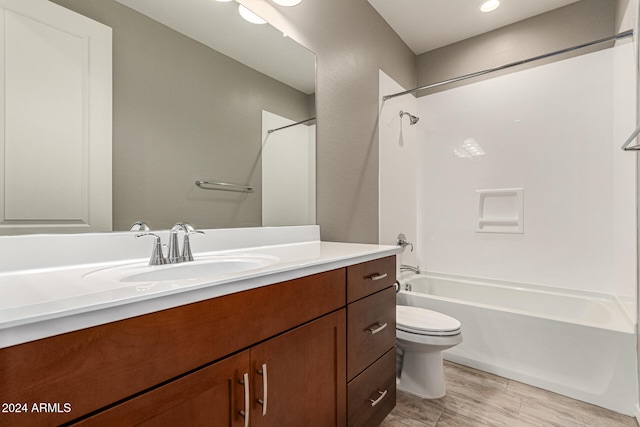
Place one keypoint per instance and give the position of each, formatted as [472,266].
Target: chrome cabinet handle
[374,329]
[265,389]
[374,402]
[375,277]
[245,413]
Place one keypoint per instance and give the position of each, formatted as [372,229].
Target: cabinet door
[212,396]
[299,378]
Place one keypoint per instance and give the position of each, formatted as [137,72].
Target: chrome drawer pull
[263,401]
[377,276]
[374,402]
[374,329]
[245,413]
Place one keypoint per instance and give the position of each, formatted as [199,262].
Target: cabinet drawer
[370,277]
[371,330]
[372,394]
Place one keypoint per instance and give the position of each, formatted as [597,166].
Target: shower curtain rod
[292,124]
[621,35]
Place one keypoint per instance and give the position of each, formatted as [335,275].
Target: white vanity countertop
[59,296]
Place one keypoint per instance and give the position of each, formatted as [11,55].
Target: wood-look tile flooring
[476,398]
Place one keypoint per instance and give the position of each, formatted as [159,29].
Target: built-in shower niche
[500,210]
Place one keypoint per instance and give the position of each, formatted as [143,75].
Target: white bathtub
[578,344]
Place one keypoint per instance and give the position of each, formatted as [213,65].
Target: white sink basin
[200,269]
[195,270]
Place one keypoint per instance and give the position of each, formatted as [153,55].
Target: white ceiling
[429,24]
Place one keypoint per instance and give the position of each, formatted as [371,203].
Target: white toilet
[421,336]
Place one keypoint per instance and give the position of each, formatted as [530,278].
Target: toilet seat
[416,320]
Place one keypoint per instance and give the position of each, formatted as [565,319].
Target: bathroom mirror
[191,83]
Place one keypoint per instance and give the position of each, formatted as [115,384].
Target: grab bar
[633,136]
[224,186]
[292,124]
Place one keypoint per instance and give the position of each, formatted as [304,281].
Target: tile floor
[476,398]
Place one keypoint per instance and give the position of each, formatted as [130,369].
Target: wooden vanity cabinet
[96,368]
[305,352]
[371,338]
[293,379]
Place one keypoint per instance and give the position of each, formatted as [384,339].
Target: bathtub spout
[405,267]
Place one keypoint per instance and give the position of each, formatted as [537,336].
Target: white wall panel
[398,169]
[551,131]
[288,172]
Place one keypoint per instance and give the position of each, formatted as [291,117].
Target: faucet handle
[403,243]
[186,245]
[139,226]
[157,258]
[184,226]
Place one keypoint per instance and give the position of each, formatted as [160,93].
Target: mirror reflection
[192,83]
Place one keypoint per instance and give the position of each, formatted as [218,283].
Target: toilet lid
[426,322]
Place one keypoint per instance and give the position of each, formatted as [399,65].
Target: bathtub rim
[622,321]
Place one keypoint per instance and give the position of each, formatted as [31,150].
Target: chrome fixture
[629,140]
[412,119]
[621,35]
[293,124]
[405,267]
[224,186]
[402,242]
[157,257]
[139,226]
[174,256]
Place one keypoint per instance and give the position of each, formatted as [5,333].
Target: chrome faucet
[157,257]
[174,255]
[405,267]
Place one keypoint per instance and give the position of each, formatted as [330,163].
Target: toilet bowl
[421,337]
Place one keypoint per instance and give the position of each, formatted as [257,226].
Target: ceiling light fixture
[250,16]
[489,6]
[287,2]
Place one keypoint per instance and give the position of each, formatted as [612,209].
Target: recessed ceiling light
[490,5]
[250,16]
[287,2]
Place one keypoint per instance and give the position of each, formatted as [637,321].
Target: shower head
[412,119]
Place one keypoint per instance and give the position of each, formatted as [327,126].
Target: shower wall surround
[398,169]
[288,172]
[555,131]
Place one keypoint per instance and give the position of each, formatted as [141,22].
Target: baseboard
[637,414]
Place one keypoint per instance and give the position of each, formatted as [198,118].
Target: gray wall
[182,112]
[352,42]
[568,26]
